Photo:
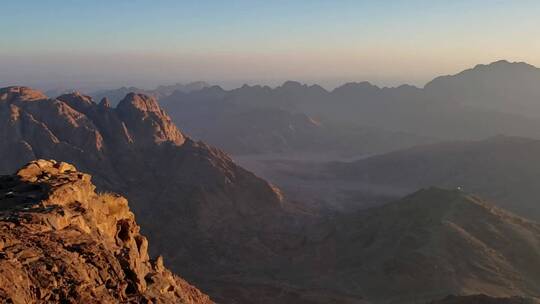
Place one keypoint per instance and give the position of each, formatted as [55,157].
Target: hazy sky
[110,43]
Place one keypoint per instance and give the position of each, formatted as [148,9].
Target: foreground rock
[60,242]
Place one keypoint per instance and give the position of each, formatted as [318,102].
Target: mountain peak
[20,93]
[357,86]
[77,100]
[289,84]
[147,122]
[139,101]
[504,64]
[500,62]
[105,102]
[500,68]
[441,201]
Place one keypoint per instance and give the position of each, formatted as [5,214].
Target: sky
[95,44]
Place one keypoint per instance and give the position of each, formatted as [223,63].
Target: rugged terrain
[61,242]
[237,238]
[503,169]
[216,117]
[434,243]
[200,210]
[428,245]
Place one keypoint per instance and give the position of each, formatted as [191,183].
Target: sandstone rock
[61,242]
[150,124]
[20,93]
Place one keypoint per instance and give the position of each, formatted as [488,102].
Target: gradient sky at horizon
[99,43]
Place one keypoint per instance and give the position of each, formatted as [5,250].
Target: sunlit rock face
[62,242]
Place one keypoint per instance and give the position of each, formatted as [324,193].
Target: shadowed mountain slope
[502,169]
[433,243]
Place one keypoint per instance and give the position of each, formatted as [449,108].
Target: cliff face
[61,242]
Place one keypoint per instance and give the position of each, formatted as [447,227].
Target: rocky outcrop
[61,242]
[143,115]
[12,94]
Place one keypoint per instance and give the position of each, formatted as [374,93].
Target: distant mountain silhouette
[241,128]
[499,98]
[115,95]
[501,86]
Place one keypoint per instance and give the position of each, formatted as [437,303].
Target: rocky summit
[61,242]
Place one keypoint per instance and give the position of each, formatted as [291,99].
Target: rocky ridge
[61,242]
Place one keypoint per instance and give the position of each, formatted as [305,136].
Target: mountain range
[239,238]
[243,129]
[116,95]
[487,100]
[355,118]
